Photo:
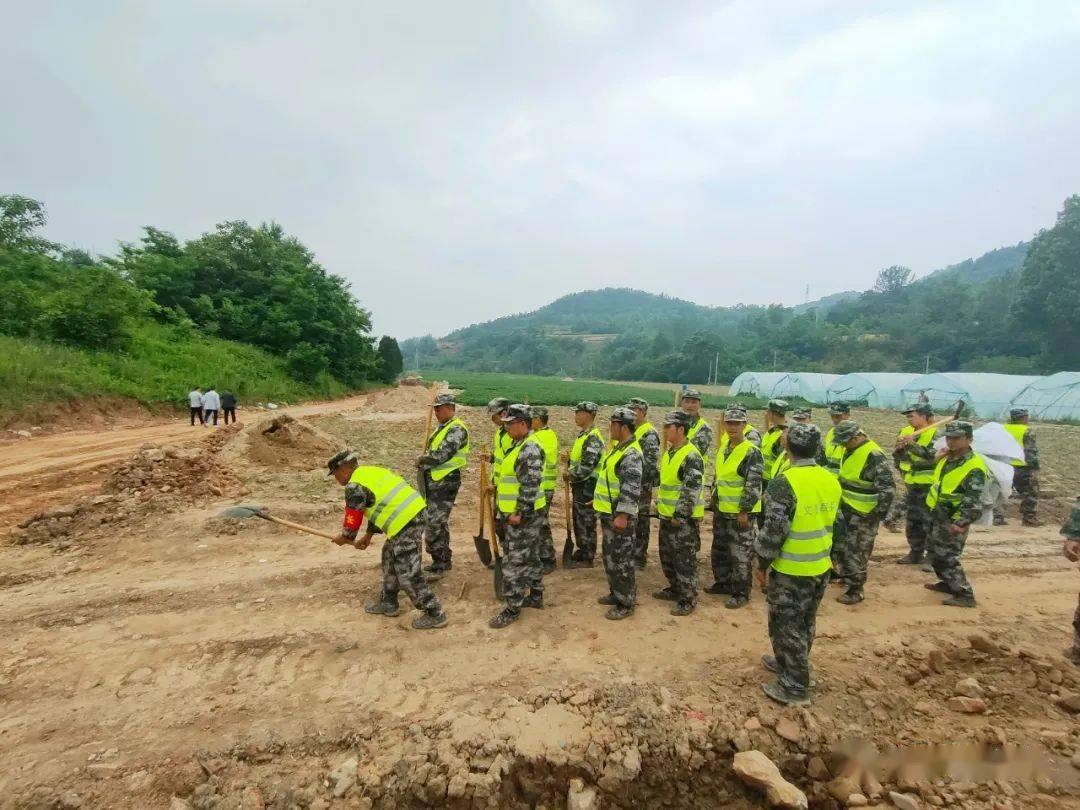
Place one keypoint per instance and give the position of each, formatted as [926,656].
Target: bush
[306,362]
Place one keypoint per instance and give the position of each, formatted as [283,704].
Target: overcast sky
[461,161]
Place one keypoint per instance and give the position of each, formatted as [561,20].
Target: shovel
[483,547]
[568,545]
[495,550]
[254,510]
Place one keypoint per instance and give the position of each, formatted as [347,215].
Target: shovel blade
[500,593]
[244,510]
[568,551]
[483,550]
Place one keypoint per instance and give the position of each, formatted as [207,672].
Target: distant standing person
[1026,472]
[195,404]
[211,403]
[228,406]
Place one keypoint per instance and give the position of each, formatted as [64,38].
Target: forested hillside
[1004,311]
[242,307]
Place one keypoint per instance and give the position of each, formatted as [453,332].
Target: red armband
[353,518]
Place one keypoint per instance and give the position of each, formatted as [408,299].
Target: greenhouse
[1053,397]
[757,383]
[808,385]
[985,395]
[876,389]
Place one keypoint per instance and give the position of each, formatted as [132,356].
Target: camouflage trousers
[401,559]
[679,547]
[920,521]
[618,549]
[1026,485]
[1076,631]
[793,605]
[644,527]
[584,520]
[440,500]
[946,549]
[547,543]
[853,542]
[521,566]
[897,512]
[732,553]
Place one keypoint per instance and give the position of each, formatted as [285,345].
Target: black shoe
[911,558]
[380,607]
[719,589]
[736,602]
[534,600]
[640,566]
[682,609]
[781,695]
[961,601]
[1033,522]
[769,662]
[607,600]
[617,612]
[851,597]
[940,587]
[579,564]
[503,618]
[548,568]
[429,621]
[665,594]
[436,572]
[1000,521]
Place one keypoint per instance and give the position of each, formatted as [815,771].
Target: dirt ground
[154,655]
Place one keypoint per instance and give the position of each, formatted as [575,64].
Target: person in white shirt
[195,405]
[211,403]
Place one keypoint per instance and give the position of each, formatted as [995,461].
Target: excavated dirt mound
[283,442]
[410,399]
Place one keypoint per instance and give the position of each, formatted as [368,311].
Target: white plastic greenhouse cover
[808,385]
[1053,397]
[756,383]
[877,389]
[987,395]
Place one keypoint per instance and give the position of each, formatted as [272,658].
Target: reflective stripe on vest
[1017,431]
[923,477]
[770,449]
[667,496]
[500,444]
[549,443]
[833,452]
[458,460]
[725,441]
[858,493]
[509,487]
[579,445]
[808,544]
[608,486]
[396,503]
[729,484]
[944,487]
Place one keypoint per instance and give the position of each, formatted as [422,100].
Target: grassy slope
[160,366]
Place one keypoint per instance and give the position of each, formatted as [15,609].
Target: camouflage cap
[1018,413]
[624,415]
[497,405]
[778,406]
[444,399]
[845,431]
[691,393]
[588,407]
[517,413]
[735,413]
[839,408]
[801,413]
[922,408]
[339,458]
[639,403]
[539,412]
[677,418]
[804,437]
[959,428]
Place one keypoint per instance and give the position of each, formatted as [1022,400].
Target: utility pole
[927,371]
[774,359]
[716,370]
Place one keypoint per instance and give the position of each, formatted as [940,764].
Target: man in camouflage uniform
[734,531]
[954,512]
[802,416]
[1026,472]
[581,472]
[700,432]
[771,440]
[856,530]
[1071,532]
[649,441]
[829,453]
[793,599]
[441,495]
[401,556]
[521,566]
[680,535]
[616,500]
[549,442]
[919,455]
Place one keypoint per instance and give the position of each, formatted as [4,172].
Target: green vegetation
[243,308]
[1011,310]
[478,388]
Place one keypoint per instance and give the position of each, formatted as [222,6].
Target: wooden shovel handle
[299,527]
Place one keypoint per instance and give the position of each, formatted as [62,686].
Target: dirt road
[230,665]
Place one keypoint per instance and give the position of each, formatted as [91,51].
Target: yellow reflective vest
[833,452]
[807,548]
[1017,431]
[455,462]
[396,503]
[943,490]
[913,477]
[509,487]
[858,493]
[770,449]
[549,443]
[729,484]
[579,445]
[500,444]
[608,486]
[667,496]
